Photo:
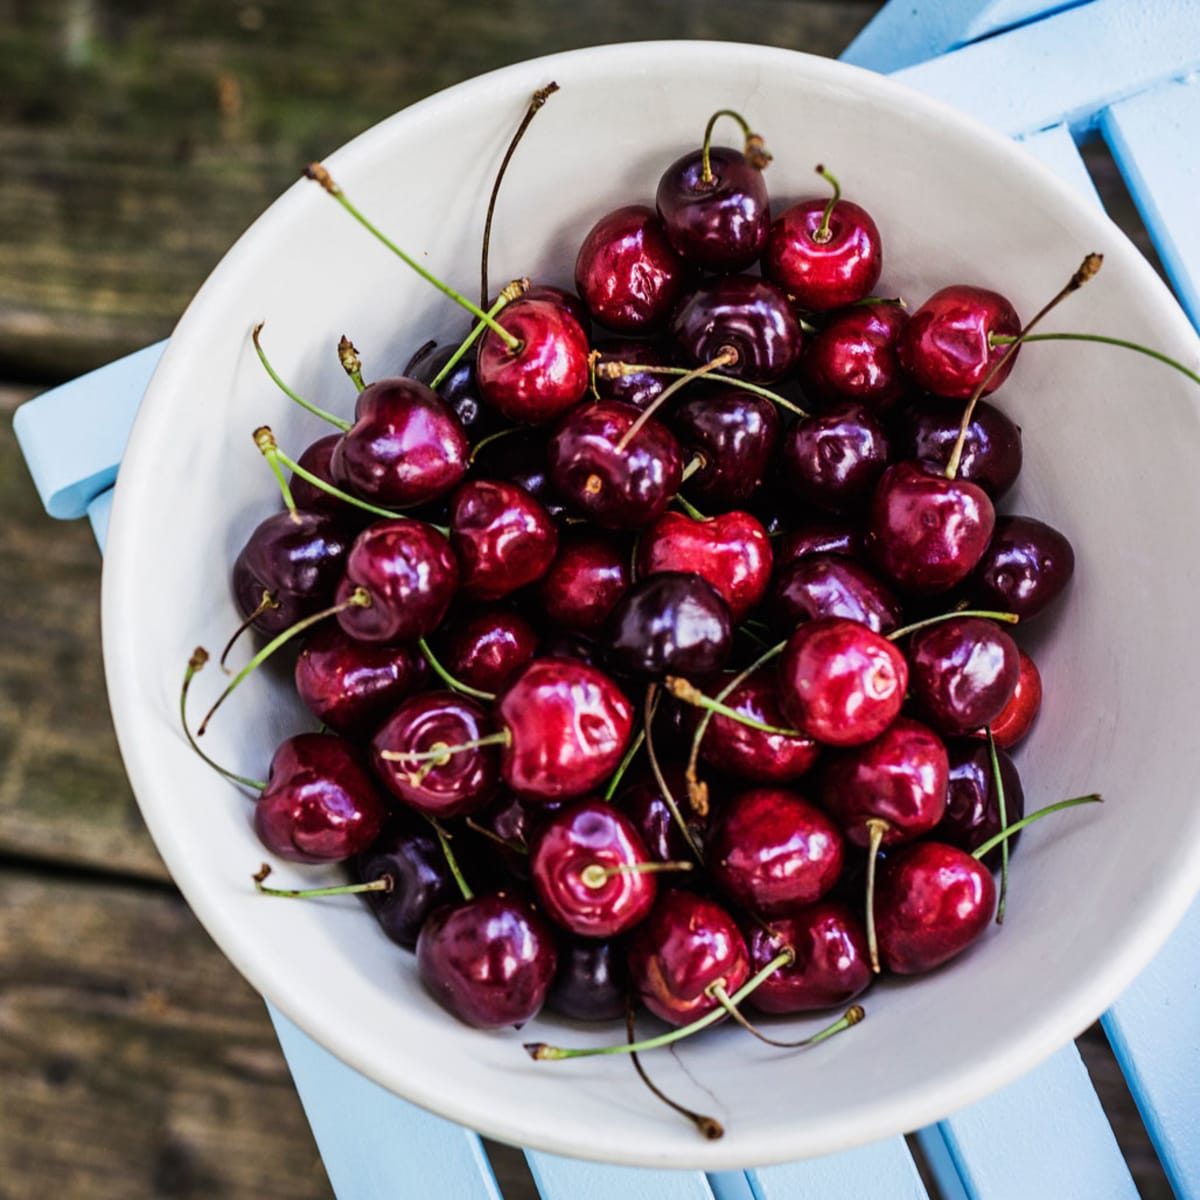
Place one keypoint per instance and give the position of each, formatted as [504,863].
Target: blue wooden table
[1050,75]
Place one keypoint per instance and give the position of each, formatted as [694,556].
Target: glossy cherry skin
[720,223]
[840,682]
[502,537]
[736,433]
[585,834]
[1027,565]
[465,781]
[972,803]
[298,560]
[731,551]
[308,496]
[587,578]
[614,488]
[669,623]
[565,300]
[520,458]
[592,981]
[405,446]
[831,966]
[1019,714]
[834,459]
[513,821]
[925,532]
[820,275]
[459,390]
[821,535]
[687,945]
[932,901]
[351,685]
[640,388]
[487,649]
[570,724]
[743,313]
[854,358]
[542,378]
[992,454]
[962,673]
[747,753]
[901,777]
[490,961]
[944,348]
[644,805]
[628,273]
[831,585]
[410,575]
[320,804]
[773,852]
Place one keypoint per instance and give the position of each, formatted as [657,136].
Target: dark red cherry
[945,347]
[490,961]
[831,965]
[627,272]
[644,805]
[669,623]
[931,903]
[818,535]
[735,433]
[962,673]
[840,682]
[320,804]
[683,949]
[512,821]
[720,222]
[351,685]
[901,778]
[410,575]
[925,532]
[405,446]
[731,551]
[773,852]
[459,390]
[308,496]
[520,458]
[640,388]
[991,457]
[746,314]
[831,585]
[297,560]
[579,864]
[569,724]
[568,643]
[615,486]
[1019,714]
[448,786]
[592,980]
[545,375]
[1027,565]
[502,537]
[487,649]
[834,459]
[587,578]
[565,300]
[854,358]
[972,802]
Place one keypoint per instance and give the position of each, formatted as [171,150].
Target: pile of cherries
[661,638]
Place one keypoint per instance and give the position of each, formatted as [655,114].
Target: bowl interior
[1110,439]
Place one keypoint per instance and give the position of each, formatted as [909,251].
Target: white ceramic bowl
[1111,444]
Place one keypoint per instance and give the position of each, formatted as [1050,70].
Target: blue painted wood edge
[570,1179]
[882,1171]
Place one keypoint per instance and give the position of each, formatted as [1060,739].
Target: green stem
[998,783]
[195,663]
[876,829]
[756,153]
[905,630]
[455,685]
[623,766]
[696,463]
[1016,826]
[487,441]
[681,689]
[330,489]
[822,233]
[439,753]
[852,1016]
[688,507]
[648,711]
[287,391]
[451,860]
[612,370]
[725,358]
[999,339]
[384,883]
[268,447]
[508,294]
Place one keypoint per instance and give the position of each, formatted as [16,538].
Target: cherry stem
[536,101]
[359,598]
[688,507]
[696,463]
[1016,826]
[540,1052]
[697,790]
[756,153]
[623,765]
[596,876]
[487,441]
[726,357]
[439,753]
[492,835]
[456,685]
[876,829]
[614,370]
[268,447]
[650,708]
[852,1016]
[510,292]
[710,1127]
[822,233]
[384,883]
[196,663]
[287,391]
[867,301]
[1087,270]
[351,363]
[681,689]
[451,860]
[999,339]
[998,783]
[1006,617]
[317,173]
[267,602]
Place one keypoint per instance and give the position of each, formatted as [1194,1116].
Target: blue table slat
[1056,149]
[1066,67]
[569,1179]
[882,1171]
[1154,139]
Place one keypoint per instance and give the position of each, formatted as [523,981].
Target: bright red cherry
[487,649]
[854,357]
[587,578]
[1018,715]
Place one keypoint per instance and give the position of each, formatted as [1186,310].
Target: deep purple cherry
[639,388]
[735,433]
[309,497]
[592,980]
[818,535]
[459,390]
[1027,565]
[831,585]
[834,459]
[972,802]
[643,804]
